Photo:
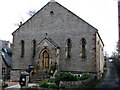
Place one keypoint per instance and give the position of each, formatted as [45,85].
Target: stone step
[39,76]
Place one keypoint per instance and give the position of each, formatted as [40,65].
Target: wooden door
[45,60]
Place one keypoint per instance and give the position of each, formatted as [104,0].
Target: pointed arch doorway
[45,59]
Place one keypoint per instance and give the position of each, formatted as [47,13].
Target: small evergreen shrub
[85,76]
[64,76]
[43,84]
[67,76]
[51,80]
[52,69]
[57,78]
[5,85]
[52,85]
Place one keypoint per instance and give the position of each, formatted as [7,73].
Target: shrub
[85,76]
[51,80]
[57,78]
[67,76]
[36,66]
[5,85]
[52,85]
[64,76]
[52,68]
[43,84]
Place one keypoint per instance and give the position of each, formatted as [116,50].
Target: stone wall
[89,83]
[15,75]
[99,56]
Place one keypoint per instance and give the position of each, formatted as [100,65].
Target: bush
[52,68]
[85,76]
[5,85]
[51,80]
[52,85]
[57,78]
[65,76]
[43,84]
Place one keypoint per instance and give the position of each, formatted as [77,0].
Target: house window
[22,48]
[68,48]
[83,48]
[3,71]
[34,48]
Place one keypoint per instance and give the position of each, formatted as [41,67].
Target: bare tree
[32,12]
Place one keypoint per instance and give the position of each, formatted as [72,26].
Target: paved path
[17,86]
[111,79]
[11,83]
[13,86]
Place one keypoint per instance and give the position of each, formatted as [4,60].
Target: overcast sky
[102,14]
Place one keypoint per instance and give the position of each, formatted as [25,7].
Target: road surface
[111,79]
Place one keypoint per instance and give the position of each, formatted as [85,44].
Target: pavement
[16,85]
[111,79]
[11,83]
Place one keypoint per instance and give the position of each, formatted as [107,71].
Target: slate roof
[51,41]
[6,56]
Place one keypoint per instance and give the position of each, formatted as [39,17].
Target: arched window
[68,48]
[22,48]
[34,48]
[83,48]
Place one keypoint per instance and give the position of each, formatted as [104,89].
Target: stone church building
[55,35]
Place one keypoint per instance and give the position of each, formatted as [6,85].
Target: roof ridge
[52,1]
